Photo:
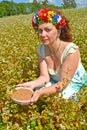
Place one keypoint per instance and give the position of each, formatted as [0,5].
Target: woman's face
[47,33]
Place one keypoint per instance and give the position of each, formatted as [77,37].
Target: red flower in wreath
[61,23]
[42,14]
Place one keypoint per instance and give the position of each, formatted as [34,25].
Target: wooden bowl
[22,94]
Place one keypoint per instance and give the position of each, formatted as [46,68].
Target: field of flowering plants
[19,63]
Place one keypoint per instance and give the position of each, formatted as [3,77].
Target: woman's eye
[47,30]
[39,31]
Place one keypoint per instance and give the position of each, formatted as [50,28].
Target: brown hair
[65,34]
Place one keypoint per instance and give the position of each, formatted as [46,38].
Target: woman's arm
[44,75]
[69,67]
[67,71]
[42,79]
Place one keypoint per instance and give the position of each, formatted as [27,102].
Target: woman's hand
[27,84]
[34,98]
[59,86]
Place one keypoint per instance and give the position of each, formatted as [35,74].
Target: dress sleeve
[41,51]
[71,48]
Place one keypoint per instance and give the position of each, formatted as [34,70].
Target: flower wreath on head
[49,16]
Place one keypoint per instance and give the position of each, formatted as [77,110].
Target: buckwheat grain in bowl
[22,94]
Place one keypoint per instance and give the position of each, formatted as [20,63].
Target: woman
[59,58]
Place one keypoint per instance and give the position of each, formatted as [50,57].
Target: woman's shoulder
[69,48]
[40,46]
[41,50]
[71,45]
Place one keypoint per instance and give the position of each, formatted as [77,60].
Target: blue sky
[80,3]
[51,1]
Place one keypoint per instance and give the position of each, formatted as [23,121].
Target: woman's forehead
[46,25]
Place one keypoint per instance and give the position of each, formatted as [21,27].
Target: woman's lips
[44,40]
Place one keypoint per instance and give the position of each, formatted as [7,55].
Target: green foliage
[19,63]
[69,4]
[45,2]
[8,8]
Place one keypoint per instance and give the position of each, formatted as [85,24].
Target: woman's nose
[43,33]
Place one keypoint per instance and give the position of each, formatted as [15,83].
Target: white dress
[79,79]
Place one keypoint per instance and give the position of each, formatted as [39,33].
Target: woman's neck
[55,46]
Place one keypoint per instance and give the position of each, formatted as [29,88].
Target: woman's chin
[45,42]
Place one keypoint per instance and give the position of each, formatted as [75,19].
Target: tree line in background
[8,8]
